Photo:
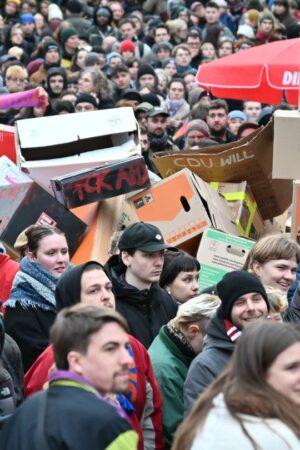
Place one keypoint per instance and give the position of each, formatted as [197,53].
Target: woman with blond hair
[172,352]
[254,403]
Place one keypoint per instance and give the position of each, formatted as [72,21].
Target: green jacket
[170,366]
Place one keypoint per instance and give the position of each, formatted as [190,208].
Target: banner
[33,97]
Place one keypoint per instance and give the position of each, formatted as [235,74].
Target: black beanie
[86,98]
[68,290]
[234,285]
[146,69]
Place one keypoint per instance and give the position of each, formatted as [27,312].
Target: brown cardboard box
[296,211]
[182,206]
[286,155]
[243,206]
[220,253]
[249,159]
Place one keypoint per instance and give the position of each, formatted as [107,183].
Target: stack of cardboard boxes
[85,174]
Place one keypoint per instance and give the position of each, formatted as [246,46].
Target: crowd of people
[134,354]
[97,54]
[227,358]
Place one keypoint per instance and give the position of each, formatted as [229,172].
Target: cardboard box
[10,173]
[220,253]
[286,155]
[182,206]
[296,211]
[243,206]
[26,204]
[7,142]
[100,183]
[53,146]
[249,159]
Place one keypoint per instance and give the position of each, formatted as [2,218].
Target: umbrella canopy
[266,73]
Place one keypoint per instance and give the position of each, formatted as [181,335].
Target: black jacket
[146,311]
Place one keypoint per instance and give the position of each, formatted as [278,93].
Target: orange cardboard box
[182,206]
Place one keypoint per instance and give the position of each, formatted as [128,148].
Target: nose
[126,358]
[289,275]
[104,295]
[159,261]
[195,285]
[250,305]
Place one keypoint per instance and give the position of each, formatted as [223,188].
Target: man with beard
[51,55]
[56,82]
[157,131]
[217,120]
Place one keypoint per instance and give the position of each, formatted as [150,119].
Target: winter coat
[12,362]
[75,419]
[146,311]
[170,364]
[8,270]
[216,353]
[221,432]
[147,419]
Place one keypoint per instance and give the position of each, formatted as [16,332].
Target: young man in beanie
[51,55]
[243,301]
[135,273]
[69,40]
[56,82]
[30,36]
[86,102]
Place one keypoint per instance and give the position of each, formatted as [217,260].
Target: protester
[90,346]
[88,283]
[180,275]
[255,401]
[217,120]
[243,302]
[31,309]
[173,350]
[135,274]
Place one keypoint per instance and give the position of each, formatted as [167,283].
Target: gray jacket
[216,352]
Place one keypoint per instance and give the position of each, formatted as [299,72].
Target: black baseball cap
[157,111]
[142,236]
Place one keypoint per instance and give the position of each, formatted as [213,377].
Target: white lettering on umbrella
[290,78]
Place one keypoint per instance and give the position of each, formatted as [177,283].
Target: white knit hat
[245,30]
[54,12]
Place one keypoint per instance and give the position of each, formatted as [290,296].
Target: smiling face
[247,309]
[284,373]
[278,273]
[52,254]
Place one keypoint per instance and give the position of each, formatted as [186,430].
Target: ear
[31,256]
[75,362]
[193,330]
[126,258]
[256,266]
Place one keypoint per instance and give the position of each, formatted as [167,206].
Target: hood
[68,290]
[216,336]
[124,292]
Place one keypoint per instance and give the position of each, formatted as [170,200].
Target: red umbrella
[267,73]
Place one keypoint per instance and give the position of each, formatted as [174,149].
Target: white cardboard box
[50,147]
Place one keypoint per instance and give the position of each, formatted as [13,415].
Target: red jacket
[8,270]
[147,418]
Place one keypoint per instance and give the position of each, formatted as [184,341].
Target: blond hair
[196,309]
[277,300]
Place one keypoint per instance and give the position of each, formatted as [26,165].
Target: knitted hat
[54,12]
[34,65]
[146,69]
[245,30]
[267,16]
[27,18]
[48,46]
[237,114]
[86,98]
[234,285]
[198,125]
[127,46]
[66,34]
[91,59]
[74,7]
[195,6]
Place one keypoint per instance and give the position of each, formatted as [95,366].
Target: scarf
[232,331]
[68,378]
[174,105]
[180,340]
[33,287]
